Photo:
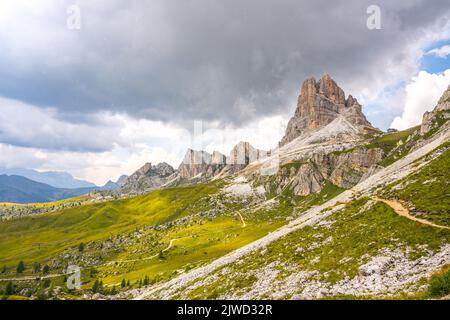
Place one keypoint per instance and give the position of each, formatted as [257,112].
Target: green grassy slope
[427,192]
[129,238]
[39,237]
[389,143]
[336,252]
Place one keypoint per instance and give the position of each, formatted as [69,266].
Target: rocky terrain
[147,178]
[324,142]
[319,103]
[391,270]
[308,219]
[399,265]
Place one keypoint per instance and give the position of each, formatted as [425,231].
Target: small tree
[20,267]
[4,269]
[92,272]
[45,269]
[146,281]
[113,290]
[81,247]
[440,285]
[46,283]
[128,283]
[95,286]
[123,284]
[9,290]
[36,267]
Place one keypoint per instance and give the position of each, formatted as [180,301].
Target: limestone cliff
[319,103]
[147,178]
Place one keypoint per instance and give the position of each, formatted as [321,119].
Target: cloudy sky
[128,81]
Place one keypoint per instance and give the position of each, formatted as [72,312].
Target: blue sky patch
[432,63]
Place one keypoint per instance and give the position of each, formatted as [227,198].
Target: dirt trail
[242,220]
[404,212]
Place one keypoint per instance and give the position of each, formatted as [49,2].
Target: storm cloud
[229,61]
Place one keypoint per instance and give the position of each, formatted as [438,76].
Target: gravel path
[404,212]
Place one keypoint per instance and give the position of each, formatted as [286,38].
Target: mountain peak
[319,103]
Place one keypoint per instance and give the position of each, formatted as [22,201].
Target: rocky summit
[319,103]
[203,165]
[147,178]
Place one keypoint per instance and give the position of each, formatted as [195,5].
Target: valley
[339,209]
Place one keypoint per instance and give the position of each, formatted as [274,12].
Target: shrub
[20,267]
[440,284]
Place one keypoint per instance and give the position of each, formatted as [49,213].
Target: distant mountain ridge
[111,185]
[19,189]
[57,179]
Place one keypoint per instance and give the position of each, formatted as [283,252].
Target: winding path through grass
[242,220]
[401,210]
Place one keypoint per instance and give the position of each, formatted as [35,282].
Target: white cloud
[112,144]
[25,125]
[441,52]
[422,94]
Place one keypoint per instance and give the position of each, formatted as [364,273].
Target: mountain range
[19,189]
[337,209]
[30,186]
[323,114]
[57,179]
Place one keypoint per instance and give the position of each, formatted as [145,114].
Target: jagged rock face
[197,163]
[442,109]
[122,179]
[319,104]
[203,165]
[349,168]
[218,158]
[302,181]
[148,177]
[162,170]
[196,157]
[244,153]
[309,175]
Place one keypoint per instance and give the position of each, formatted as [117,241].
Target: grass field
[46,204]
[389,143]
[37,238]
[154,236]
[428,190]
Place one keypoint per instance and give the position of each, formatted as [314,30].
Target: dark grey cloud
[229,60]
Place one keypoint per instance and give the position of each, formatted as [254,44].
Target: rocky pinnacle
[319,103]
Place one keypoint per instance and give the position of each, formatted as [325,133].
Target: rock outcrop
[148,177]
[319,103]
[200,164]
[440,114]
[308,175]
[203,165]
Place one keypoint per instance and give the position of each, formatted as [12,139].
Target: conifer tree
[20,267]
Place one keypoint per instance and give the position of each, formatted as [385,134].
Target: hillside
[354,246]
[341,210]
